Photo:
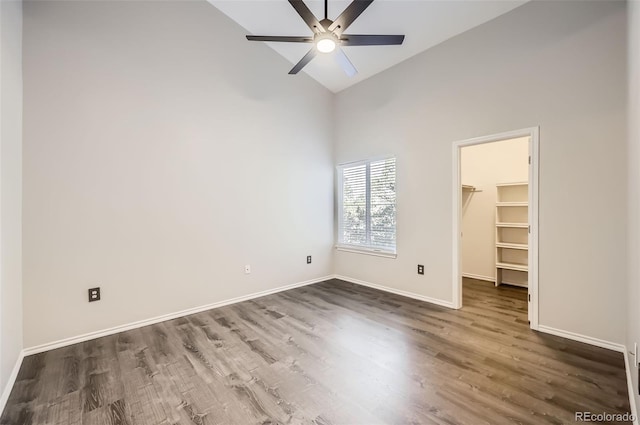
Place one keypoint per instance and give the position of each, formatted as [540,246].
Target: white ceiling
[424,22]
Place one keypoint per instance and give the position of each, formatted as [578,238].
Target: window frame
[365,249]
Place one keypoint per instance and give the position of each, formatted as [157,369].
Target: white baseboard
[632,397]
[146,322]
[436,301]
[11,382]
[519,285]
[492,279]
[583,338]
[479,277]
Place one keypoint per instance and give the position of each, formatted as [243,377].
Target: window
[367,206]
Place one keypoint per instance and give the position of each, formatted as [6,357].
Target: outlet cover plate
[94,294]
[420,269]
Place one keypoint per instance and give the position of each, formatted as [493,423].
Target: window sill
[366,251]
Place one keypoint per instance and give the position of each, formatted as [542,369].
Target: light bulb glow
[326,45]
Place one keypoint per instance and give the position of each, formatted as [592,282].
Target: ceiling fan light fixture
[328,34]
[326,45]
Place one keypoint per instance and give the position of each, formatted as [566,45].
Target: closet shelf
[512,246]
[509,245]
[512,184]
[512,204]
[513,266]
[514,225]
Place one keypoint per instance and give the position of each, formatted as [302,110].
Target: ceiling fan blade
[370,40]
[345,63]
[305,60]
[307,15]
[280,38]
[349,15]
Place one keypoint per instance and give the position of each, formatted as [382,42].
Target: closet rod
[470,188]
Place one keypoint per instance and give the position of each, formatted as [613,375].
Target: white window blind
[367,209]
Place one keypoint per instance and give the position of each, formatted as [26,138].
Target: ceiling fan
[329,35]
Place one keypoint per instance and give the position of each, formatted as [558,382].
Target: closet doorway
[495,228]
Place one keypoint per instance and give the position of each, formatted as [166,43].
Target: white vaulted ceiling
[424,22]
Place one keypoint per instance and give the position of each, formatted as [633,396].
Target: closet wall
[484,166]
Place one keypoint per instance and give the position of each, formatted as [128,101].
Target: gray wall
[10,187]
[633,321]
[162,153]
[559,65]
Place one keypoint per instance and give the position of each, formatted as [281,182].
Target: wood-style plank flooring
[330,353]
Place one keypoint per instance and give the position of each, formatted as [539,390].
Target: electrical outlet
[420,269]
[247,269]
[94,294]
[308,259]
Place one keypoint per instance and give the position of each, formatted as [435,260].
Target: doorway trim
[533,134]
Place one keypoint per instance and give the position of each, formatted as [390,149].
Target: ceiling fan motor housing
[326,23]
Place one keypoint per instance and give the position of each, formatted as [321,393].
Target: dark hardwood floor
[331,353]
